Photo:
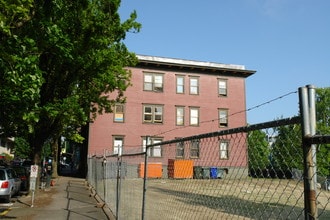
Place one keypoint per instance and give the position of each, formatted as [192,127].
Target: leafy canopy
[59,62]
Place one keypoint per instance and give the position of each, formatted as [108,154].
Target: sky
[287,43]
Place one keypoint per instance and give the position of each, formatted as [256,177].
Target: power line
[231,115]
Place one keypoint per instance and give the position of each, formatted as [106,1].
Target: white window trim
[154,80]
[224,149]
[155,151]
[153,114]
[118,144]
[223,87]
[191,92]
[178,116]
[180,85]
[223,118]
[120,113]
[193,117]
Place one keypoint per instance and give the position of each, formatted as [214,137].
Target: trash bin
[43,181]
[198,172]
[213,172]
[327,184]
[206,172]
[220,173]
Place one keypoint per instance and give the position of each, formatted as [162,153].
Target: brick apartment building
[172,98]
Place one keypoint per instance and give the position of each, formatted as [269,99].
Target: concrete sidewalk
[69,199]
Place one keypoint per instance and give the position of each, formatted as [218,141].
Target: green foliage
[22,148]
[323,128]
[323,110]
[258,150]
[289,139]
[13,14]
[59,62]
[287,150]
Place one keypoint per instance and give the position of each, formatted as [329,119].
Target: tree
[258,151]
[287,149]
[22,148]
[59,66]
[287,152]
[20,77]
[323,128]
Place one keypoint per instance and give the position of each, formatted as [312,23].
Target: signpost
[33,180]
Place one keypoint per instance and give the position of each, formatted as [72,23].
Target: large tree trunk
[36,144]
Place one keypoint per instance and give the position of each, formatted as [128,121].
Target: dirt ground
[214,199]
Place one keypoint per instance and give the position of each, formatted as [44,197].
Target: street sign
[33,181]
[34,171]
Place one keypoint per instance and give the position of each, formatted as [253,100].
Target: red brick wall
[102,130]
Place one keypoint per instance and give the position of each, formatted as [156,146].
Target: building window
[179,115]
[119,113]
[224,150]
[223,117]
[180,149]
[194,116]
[222,87]
[194,85]
[153,82]
[180,84]
[118,142]
[194,149]
[153,114]
[155,151]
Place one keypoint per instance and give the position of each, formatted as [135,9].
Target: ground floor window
[155,151]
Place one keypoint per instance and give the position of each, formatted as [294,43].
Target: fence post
[104,163]
[118,187]
[145,179]
[307,110]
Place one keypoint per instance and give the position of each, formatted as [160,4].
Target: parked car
[24,175]
[27,164]
[10,183]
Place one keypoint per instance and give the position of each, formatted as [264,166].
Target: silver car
[10,183]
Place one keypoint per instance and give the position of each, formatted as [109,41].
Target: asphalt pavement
[69,198]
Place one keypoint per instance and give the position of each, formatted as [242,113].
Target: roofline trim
[200,64]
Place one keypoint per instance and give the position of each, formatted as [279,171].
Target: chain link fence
[263,180]
[271,170]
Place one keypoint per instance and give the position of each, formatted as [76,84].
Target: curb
[100,202]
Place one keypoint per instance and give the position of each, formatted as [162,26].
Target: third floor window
[222,87]
[153,82]
[179,84]
[194,85]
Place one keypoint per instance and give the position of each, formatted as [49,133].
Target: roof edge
[175,61]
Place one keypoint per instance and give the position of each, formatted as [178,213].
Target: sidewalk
[69,199]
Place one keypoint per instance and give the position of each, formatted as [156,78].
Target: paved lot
[69,199]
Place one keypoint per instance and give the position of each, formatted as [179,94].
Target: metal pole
[104,175]
[145,179]
[313,173]
[309,192]
[118,186]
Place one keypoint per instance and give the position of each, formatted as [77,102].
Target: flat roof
[193,64]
